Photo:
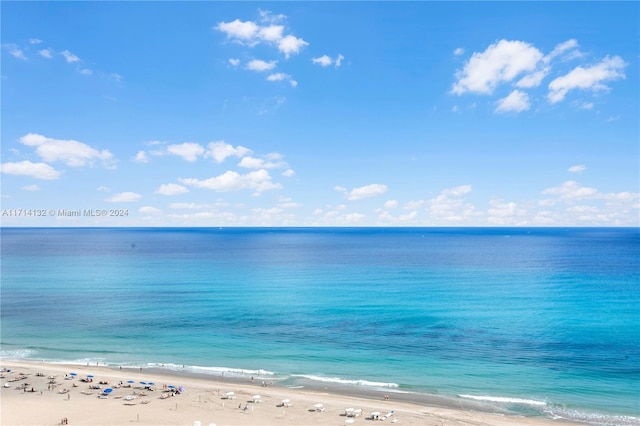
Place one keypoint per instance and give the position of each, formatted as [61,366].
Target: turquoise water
[534,321]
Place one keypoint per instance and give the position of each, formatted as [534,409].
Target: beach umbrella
[108,390]
[73,374]
[150,383]
[143,383]
[181,388]
[130,381]
[171,387]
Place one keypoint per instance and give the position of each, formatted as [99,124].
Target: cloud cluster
[70,152]
[24,53]
[27,168]
[258,181]
[363,191]
[269,31]
[524,66]
[326,60]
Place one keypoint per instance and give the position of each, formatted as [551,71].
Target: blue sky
[321,114]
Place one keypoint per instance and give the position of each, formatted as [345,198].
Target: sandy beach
[46,394]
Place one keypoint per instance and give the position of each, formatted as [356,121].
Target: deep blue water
[547,318]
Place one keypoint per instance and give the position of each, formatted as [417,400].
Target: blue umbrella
[90,376]
[130,381]
[150,383]
[143,383]
[171,387]
[108,390]
[73,374]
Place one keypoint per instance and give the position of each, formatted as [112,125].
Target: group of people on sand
[64,421]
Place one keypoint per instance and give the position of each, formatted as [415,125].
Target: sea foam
[504,400]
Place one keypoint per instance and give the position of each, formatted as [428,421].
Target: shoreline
[204,400]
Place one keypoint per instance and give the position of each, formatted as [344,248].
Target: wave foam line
[346,381]
[17,354]
[211,370]
[595,419]
[504,399]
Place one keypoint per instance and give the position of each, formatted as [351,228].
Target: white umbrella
[256,398]
[319,407]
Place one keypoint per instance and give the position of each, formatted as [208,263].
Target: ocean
[529,321]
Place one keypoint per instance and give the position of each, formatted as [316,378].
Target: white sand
[202,401]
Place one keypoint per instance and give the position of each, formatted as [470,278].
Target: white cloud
[104,189]
[141,157]
[69,57]
[391,204]
[278,76]
[267,16]
[585,105]
[291,45]
[271,33]
[188,150]
[578,169]
[501,62]
[124,197]
[221,150]
[171,189]
[326,60]
[85,71]
[27,168]
[239,30]
[366,191]
[459,51]
[15,51]
[46,53]
[235,62]
[323,61]
[503,214]
[271,161]
[35,41]
[260,65]
[288,173]
[70,152]
[534,79]
[561,48]
[149,210]
[115,77]
[450,205]
[516,101]
[30,188]
[571,191]
[250,33]
[590,78]
[258,181]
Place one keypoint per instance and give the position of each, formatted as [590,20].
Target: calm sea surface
[533,321]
